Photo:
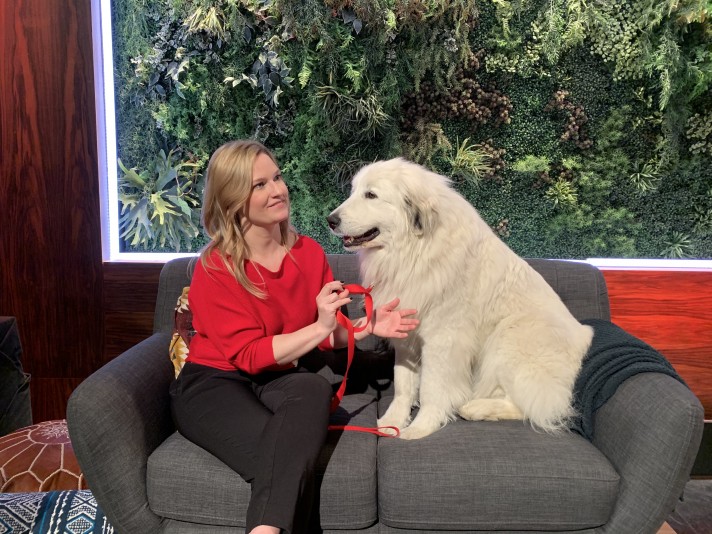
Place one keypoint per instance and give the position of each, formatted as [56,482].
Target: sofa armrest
[650,430]
[116,418]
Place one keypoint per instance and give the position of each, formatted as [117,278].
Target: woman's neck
[263,241]
[266,247]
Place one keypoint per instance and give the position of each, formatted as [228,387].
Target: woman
[262,296]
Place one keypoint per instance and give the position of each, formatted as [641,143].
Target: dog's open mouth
[355,241]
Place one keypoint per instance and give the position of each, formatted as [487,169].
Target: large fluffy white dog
[494,341]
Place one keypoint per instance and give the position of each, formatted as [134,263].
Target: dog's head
[388,200]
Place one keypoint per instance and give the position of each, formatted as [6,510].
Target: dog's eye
[370,194]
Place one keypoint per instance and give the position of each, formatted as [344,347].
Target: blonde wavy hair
[228,186]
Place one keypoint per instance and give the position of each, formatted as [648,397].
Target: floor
[694,514]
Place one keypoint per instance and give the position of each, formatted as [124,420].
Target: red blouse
[233,328]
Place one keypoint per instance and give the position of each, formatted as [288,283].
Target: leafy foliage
[577,128]
[269,75]
[471,162]
[158,206]
[678,245]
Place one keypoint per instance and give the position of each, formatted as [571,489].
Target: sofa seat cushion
[494,476]
[182,477]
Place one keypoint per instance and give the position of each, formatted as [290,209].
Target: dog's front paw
[425,423]
[416,432]
[397,414]
[398,423]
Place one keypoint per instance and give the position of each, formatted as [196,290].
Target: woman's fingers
[341,301]
[331,287]
[392,305]
[333,296]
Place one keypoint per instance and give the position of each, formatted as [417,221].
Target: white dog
[494,341]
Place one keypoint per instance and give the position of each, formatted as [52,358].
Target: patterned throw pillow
[39,458]
[182,332]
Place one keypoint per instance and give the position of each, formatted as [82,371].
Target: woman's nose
[277,188]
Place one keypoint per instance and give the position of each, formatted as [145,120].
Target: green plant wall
[577,129]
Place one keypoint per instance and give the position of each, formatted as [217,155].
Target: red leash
[344,321]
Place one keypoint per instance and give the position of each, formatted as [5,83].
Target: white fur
[494,341]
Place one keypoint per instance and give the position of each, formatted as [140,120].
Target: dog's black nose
[333,220]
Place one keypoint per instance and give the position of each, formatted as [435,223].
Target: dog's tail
[550,411]
[545,393]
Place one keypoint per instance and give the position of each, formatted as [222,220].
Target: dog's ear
[422,215]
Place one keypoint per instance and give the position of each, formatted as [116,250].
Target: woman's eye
[370,194]
[258,185]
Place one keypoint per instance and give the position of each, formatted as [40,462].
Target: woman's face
[269,199]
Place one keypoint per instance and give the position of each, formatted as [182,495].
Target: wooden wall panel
[50,241]
[49,397]
[672,311]
[129,300]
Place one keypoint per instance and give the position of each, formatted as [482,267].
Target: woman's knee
[314,386]
[310,393]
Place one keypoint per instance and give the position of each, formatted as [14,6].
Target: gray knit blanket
[614,356]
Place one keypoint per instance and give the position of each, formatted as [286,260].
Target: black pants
[269,428]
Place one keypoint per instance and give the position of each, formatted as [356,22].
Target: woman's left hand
[387,321]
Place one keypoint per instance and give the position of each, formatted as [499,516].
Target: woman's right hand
[329,300]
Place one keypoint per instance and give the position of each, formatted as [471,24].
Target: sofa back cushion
[580,285]
[175,275]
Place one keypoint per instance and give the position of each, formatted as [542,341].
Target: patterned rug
[54,512]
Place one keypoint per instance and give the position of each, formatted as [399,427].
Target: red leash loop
[344,321]
[368,430]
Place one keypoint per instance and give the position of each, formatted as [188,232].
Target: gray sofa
[469,476]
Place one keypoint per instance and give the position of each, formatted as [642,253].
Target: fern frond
[304,74]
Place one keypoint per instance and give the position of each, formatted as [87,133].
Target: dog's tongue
[349,240]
